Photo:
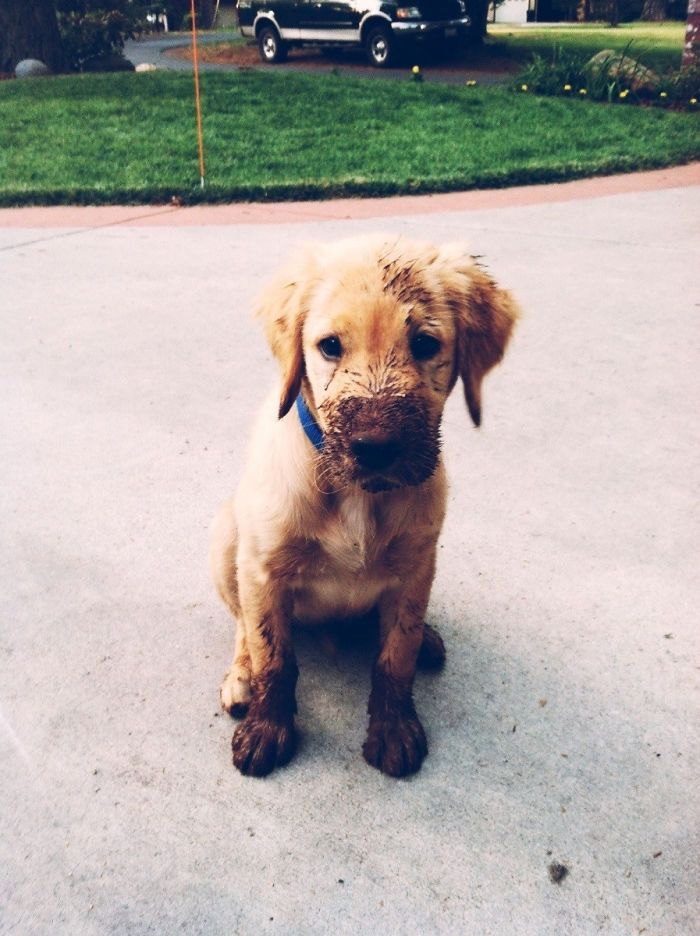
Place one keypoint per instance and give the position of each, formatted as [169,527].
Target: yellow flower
[693,101]
[523,87]
[623,94]
[663,94]
[471,83]
[567,87]
[416,69]
[583,91]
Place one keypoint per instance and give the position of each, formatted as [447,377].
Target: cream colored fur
[302,541]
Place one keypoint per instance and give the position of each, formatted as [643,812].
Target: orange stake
[197,97]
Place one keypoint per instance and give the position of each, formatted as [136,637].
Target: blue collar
[312,429]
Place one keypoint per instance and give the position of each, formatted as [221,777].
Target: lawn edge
[83,217]
[349,189]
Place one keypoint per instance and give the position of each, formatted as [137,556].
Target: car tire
[379,46]
[271,47]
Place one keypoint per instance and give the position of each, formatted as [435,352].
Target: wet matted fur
[373,333]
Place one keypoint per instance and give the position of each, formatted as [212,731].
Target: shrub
[615,77]
[550,76]
[683,85]
[91,31]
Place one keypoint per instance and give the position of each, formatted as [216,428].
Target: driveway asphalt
[153,50]
[564,727]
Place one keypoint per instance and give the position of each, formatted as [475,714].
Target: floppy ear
[282,306]
[484,319]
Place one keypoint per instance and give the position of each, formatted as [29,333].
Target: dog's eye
[330,348]
[424,346]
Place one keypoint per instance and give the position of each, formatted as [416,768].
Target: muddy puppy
[343,497]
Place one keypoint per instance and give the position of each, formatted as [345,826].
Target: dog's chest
[349,568]
[352,539]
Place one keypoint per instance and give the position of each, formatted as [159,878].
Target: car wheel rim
[379,49]
[269,47]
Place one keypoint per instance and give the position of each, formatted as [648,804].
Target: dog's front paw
[259,745]
[396,746]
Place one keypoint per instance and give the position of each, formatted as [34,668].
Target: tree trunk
[479,12]
[28,29]
[204,10]
[691,48]
[583,9]
[654,10]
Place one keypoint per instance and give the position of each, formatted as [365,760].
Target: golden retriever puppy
[343,497]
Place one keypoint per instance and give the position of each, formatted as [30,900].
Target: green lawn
[658,45]
[130,138]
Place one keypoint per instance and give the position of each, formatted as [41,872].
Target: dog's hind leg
[431,655]
[235,689]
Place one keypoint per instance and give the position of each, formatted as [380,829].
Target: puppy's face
[375,332]
[379,355]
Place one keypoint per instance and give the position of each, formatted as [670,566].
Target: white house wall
[511,11]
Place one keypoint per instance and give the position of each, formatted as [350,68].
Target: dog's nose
[374,450]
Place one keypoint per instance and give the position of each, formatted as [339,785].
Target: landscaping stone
[31,68]
[621,66]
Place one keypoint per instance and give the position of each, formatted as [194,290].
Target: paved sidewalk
[80,218]
[564,728]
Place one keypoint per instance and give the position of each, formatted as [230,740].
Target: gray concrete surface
[351,62]
[565,725]
[152,47]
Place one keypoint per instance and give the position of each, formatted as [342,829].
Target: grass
[658,45]
[128,138]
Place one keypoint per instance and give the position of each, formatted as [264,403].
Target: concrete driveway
[564,728]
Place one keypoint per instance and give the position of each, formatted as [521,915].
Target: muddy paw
[260,745]
[396,747]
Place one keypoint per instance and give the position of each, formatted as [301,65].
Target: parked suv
[381,26]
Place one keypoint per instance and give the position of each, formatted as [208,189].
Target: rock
[31,68]
[108,63]
[146,67]
[617,65]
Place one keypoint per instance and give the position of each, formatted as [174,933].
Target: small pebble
[557,872]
